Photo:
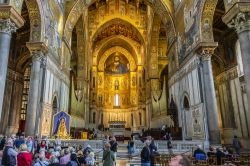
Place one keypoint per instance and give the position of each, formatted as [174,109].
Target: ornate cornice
[7,26]
[187,68]
[227,76]
[37,46]
[8,12]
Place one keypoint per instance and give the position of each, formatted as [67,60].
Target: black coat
[145,155]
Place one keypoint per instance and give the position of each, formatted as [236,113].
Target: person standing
[9,154]
[153,151]
[108,156]
[58,142]
[30,144]
[145,154]
[131,149]
[2,143]
[237,144]
[18,142]
[24,158]
[170,146]
[114,145]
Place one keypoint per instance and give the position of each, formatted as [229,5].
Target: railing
[178,146]
[97,145]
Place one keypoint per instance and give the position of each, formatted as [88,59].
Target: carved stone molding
[227,75]
[7,26]
[37,46]
[241,22]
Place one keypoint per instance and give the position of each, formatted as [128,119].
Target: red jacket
[24,159]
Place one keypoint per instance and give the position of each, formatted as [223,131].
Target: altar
[117,128]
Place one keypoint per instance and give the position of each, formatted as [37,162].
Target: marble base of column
[214,137]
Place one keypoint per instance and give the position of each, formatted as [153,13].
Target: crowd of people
[37,151]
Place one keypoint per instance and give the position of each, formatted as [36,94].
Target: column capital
[241,22]
[7,26]
[238,16]
[38,51]
[9,12]
[206,49]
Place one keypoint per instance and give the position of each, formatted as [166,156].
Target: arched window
[102,119]
[94,117]
[26,84]
[239,58]
[116,100]
[186,103]
[132,120]
[54,109]
[140,118]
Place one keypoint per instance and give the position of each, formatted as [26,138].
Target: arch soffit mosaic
[128,42]
[206,20]
[122,21]
[37,22]
[114,19]
[115,49]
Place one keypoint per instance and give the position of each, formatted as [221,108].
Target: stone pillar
[38,51]
[15,107]
[209,94]
[238,17]
[6,28]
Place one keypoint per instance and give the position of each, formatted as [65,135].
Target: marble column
[238,17]
[210,98]
[15,107]
[6,28]
[33,97]
[38,51]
